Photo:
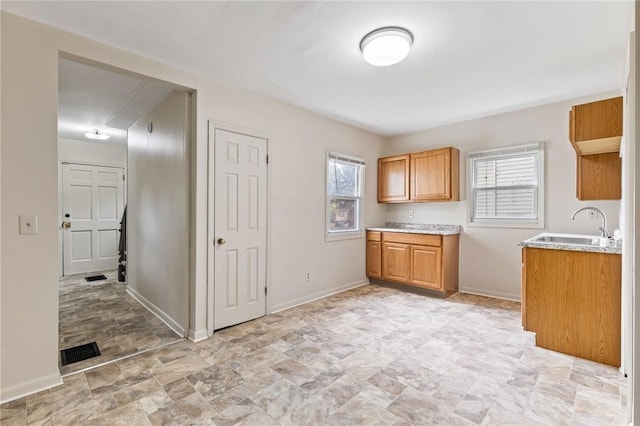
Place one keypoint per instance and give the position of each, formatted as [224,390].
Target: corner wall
[489,257]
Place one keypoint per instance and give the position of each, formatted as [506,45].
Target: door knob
[66,225]
[221,241]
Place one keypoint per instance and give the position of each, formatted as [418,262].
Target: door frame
[214,125]
[61,162]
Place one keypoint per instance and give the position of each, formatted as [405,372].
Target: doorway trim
[214,125]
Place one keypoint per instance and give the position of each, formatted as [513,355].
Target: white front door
[92,203]
[240,230]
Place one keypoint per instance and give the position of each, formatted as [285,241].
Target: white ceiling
[469,59]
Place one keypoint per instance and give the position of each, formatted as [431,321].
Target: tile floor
[103,312]
[373,356]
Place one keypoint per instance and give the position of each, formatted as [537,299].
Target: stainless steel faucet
[603,228]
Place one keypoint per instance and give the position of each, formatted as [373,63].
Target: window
[344,194]
[507,187]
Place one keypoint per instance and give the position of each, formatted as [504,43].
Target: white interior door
[240,228]
[92,203]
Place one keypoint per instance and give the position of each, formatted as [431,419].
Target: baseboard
[315,296]
[28,388]
[489,293]
[157,312]
[198,335]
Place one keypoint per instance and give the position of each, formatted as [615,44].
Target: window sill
[343,236]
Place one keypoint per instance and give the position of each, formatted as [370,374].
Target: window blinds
[505,184]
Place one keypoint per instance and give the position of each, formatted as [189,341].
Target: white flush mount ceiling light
[386,46]
[97,134]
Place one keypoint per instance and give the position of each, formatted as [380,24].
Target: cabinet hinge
[265,291]
[267,159]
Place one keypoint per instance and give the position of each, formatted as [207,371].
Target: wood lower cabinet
[421,260]
[571,300]
[374,258]
[426,266]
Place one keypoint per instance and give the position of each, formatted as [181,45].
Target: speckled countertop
[418,228]
[611,247]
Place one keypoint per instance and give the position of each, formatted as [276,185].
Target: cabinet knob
[221,241]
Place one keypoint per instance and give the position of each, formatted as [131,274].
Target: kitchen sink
[566,239]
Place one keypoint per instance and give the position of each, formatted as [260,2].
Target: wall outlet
[307,276]
[592,214]
[410,214]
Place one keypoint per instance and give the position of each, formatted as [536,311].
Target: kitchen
[490,257]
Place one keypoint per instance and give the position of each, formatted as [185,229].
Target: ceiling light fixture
[97,134]
[386,46]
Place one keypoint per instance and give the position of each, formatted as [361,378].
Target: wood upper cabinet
[422,260]
[374,255]
[596,127]
[435,175]
[595,131]
[571,300]
[599,177]
[393,179]
[420,177]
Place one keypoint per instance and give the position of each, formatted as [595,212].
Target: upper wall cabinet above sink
[595,132]
[419,177]
[596,127]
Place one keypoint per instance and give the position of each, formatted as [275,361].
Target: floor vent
[79,353]
[96,278]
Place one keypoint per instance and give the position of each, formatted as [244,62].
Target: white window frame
[352,233]
[503,222]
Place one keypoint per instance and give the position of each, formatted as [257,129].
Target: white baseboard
[33,386]
[315,296]
[198,335]
[157,312]
[490,293]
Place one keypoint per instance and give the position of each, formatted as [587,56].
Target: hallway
[103,312]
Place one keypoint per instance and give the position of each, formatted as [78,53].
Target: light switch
[28,224]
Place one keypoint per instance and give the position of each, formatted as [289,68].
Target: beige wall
[297,143]
[489,257]
[158,212]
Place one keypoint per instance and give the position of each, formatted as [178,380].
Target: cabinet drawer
[374,236]
[417,239]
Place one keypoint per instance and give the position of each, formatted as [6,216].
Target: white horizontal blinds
[346,158]
[505,184]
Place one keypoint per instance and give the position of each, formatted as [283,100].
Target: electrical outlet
[410,214]
[307,276]
[592,214]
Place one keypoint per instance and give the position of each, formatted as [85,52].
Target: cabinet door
[374,259]
[395,262]
[599,177]
[596,120]
[393,179]
[435,175]
[426,263]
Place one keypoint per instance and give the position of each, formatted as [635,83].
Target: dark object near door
[122,248]
[79,353]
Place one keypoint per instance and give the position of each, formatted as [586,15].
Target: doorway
[119,317]
[239,234]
